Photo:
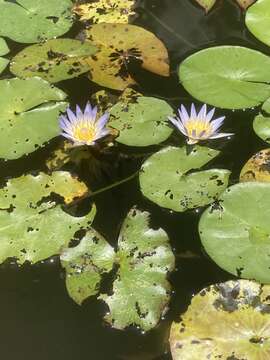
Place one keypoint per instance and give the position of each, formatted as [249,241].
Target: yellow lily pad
[118,45]
[227,321]
[257,167]
[109,11]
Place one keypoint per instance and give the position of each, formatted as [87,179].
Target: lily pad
[141,290]
[3,51]
[85,265]
[29,115]
[54,60]
[245,3]
[29,21]
[166,180]
[108,11]
[226,321]
[142,121]
[119,44]
[258,20]
[257,167]
[231,77]
[235,232]
[261,126]
[33,225]
[206,4]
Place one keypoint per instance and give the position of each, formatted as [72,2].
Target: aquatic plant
[84,128]
[198,126]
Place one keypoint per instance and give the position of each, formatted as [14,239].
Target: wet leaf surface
[261,126]
[54,60]
[29,21]
[227,321]
[206,4]
[235,231]
[258,20]
[245,3]
[231,77]
[30,207]
[3,51]
[141,290]
[106,11]
[141,121]
[257,168]
[85,264]
[29,115]
[118,45]
[165,178]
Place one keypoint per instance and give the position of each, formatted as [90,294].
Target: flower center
[85,133]
[198,129]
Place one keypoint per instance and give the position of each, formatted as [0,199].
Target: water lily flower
[198,126]
[83,128]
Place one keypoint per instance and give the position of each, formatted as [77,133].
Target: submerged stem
[91,194]
[117,183]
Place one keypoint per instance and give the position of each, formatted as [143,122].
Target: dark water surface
[38,319]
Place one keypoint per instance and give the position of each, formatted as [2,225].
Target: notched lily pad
[3,51]
[261,126]
[106,11]
[206,4]
[54,60]
[118,45]
[231,77]
[226,321]
[141,290]
[165,178]
[245,3]
[29,115]
[141,121]
[235,231]
[29,21]
[33,225]
[85,264]
[257,167]
[258,20]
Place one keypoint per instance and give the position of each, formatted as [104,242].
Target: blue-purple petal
[193,113]
[102,121]
[216,124]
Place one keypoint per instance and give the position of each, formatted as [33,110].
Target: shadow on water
[39,320]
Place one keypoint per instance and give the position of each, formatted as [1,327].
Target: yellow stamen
[85,133]
[198,129]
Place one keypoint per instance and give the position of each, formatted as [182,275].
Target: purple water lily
[84,128]
[198,126]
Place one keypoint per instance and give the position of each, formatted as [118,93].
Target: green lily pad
[206,4]
[33,225]
[141,122]
[226,321]
[266,106]
[85,265]
[257,168]
[231,77]
[29,115]
[141,290]
[258,20]
[235,232]
[3,51]
[118,44]
[245,3]
[166,180]
[106,11]
[54,60]
[29,21]
[261,126]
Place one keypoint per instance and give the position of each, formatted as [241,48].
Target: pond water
[39,321]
